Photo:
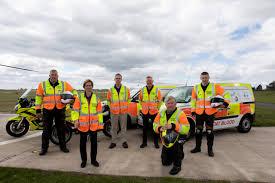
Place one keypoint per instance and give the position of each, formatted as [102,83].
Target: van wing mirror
[135,100]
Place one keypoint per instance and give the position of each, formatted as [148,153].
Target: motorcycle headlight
[16,108]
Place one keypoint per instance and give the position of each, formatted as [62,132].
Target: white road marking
[21,139]
[5,114]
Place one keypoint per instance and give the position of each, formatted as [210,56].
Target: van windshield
[133,92]
[182,94]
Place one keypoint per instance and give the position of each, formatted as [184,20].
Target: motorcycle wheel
[11,128]
[107,129]
[54,137]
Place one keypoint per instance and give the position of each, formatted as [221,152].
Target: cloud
[172,40]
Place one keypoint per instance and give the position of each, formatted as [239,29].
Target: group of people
[88,119]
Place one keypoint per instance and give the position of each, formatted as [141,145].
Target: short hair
[88,81]
[118,74]
[171,98]
[147,77]
[53,70]
[204,73]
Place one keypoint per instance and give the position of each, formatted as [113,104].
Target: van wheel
[131,125]
[129,121]
[245,125]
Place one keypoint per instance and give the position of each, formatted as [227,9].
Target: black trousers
[83,142]
[48,116]
[209,122]
[146,118]
[171,155]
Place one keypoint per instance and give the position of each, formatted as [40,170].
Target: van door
[227,117]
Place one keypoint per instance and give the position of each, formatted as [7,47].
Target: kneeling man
[173,126]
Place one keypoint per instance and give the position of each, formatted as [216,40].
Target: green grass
[265,116]
[17,175]
[265,96]
[8,98]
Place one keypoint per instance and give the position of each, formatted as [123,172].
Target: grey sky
[172,40]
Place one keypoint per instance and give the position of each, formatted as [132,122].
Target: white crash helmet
[217,101]
[67,97]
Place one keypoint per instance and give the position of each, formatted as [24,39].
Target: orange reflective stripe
[50,95]
[150,103]
[52,100]
[89,120]
[119,105]
[84,123]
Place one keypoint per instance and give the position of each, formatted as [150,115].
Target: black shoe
[43,152]
[112,145]
[95,163]
[157,146]
[65,149]
[195,150]
[83,164]
[210,153]
[175,170]
[125,145]
[143,145]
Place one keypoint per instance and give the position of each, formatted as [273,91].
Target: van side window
[239,95]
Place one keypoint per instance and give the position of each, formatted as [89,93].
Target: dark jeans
[83,141]
[171,155]
[48,116]
[146,118]
[209,122]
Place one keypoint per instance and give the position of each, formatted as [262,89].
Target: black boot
[95,163]
[210,142]
[156,140]
[112,145]
[196,150]
[157,145]
[43,152]
[83,164]
[64,149]
[125,145]
[143,145]
[210,152]
[198,143]
[175,170]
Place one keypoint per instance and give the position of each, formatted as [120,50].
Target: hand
[76,124]
[39,116]
[168,126]
[193,115]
